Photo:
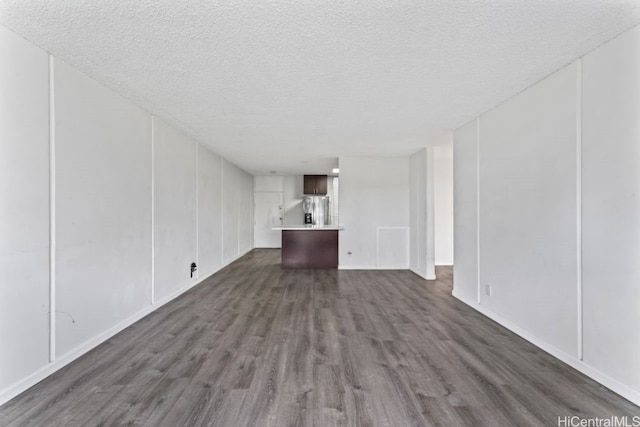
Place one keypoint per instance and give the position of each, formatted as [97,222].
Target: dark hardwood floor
[255,345]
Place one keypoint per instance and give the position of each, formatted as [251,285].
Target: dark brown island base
[310,246]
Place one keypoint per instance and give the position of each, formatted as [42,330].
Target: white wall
[209,212]
[421,214]
[103,219]
[374,210]
[245,213]
[110,214]
[527,216]
[24,209]
[557,214]
[268,183]
[465,202]
[175,194]
[293,187]
[611,209]
[237,212]
[443,203]
[230,211]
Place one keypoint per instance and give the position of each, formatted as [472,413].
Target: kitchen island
[306,246]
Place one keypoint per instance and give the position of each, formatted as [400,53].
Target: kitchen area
[299,214]
[394,213]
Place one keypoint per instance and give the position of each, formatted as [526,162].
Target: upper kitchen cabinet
[315,184]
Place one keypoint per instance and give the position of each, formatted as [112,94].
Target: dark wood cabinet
[315,184]
[310,248]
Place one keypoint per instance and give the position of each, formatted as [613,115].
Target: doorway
[268,214]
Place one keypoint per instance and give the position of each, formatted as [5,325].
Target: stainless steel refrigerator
[317,210]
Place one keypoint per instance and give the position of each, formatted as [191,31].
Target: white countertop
[309,227]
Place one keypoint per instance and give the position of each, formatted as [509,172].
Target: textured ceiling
[289,85]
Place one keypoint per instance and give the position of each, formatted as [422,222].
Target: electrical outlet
[487,289]
[193,268]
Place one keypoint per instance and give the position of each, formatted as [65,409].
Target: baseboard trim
[240,255]
[424,276]
[205,274]
[610,383]
[370,267]
[62,361]
[357,267]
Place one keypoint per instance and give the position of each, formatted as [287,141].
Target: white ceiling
[289,85]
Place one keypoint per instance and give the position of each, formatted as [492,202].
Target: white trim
[478,292]
[373,267]
[378,247]
[197,208]
[52,213]
[429,231]
[235,259]
[612,384]
[207,274]
[424,276]
[222,212]
[416,233]
[153,210]
[357,267]
[579,302]
[239,183]
[243,254]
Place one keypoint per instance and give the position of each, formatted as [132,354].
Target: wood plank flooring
[255,345]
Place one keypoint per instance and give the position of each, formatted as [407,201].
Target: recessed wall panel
[209,212]
[245,213]
[611,208]
[24,208]
[465,234]
[230,200]
[103,208]
[528,210]
[175,209]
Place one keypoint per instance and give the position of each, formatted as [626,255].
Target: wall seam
[197,207]
[429,236]
[478,292]
[222,259]
[153,210]
[238,184]
[52,214]
[579,288]
[377,247]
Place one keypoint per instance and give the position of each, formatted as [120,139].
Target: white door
[268,213]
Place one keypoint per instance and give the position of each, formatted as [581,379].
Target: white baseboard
[208,273]
[372,267]
[241,254]
[424,276]
[612,384]
[357,267]
[62,361]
